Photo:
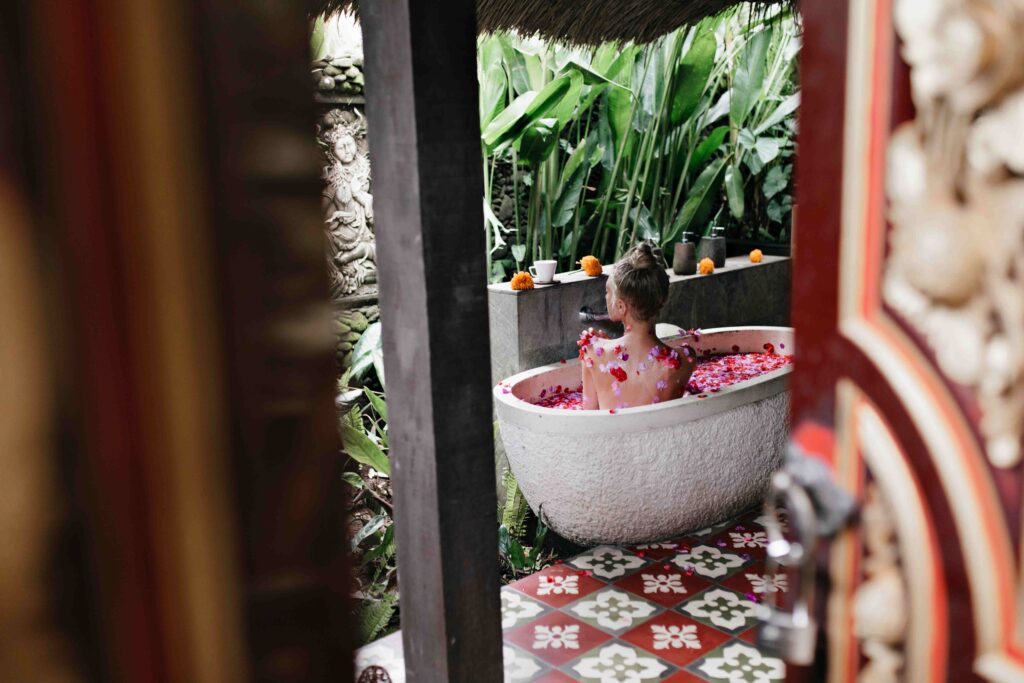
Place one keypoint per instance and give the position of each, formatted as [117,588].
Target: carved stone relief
[880,609]
[348,204]
[956,188]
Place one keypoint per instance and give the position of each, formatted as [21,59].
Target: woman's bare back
[634,370]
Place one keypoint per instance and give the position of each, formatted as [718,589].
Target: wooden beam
[425,151]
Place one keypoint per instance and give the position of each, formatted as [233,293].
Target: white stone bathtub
[652,472]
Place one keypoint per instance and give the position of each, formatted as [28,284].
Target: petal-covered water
[713,373]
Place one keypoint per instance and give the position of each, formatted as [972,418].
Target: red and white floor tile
[685,610]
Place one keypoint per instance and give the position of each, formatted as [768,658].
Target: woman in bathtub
[635,369]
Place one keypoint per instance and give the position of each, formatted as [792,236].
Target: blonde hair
[641,281]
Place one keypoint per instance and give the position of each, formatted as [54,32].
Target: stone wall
[540,326]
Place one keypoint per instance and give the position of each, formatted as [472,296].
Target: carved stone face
[345,148]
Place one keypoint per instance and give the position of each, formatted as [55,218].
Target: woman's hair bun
[646,255]
[642,281]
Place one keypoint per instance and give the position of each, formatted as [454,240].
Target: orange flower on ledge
[706,266]
[591,266]
[522,281]
[756,256]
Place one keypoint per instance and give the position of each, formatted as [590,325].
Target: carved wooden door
[909,309]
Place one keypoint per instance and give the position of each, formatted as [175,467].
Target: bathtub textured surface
[652,472]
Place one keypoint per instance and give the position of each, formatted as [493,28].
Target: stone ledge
[534,327]
[733,264]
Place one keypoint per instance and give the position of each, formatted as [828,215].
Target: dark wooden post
[425,150]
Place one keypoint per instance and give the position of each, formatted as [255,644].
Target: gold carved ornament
[956,188]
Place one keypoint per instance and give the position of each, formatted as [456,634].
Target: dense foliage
[589,151]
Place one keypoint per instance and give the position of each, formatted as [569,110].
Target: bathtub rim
[521,413]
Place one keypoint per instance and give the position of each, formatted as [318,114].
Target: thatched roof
[589,22]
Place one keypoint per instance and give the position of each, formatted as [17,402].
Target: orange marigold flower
[522,281]
[591,266]
[706,266]
[756,256]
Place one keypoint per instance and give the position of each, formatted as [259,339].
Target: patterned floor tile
[617,662]
[750,636]
[608,562]
[685,677]
[519,666]
[675,638]
[742,539]
[712,530]
[722,608]
[657,551]
[664,584]
[556,638]
[683,611]
[517,609]
[554,677]
[739,662]
[754,580]
[559,584]
[613,610]
[710,561]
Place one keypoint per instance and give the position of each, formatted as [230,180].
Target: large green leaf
[377,401]
[525,69]
[493,86]
[362,449]
[775,181]
[746,84]
[707,147]
[645,227]
[619,110]
[565,204]
[508,124]
[692,77]
[734,190]
[563,111]
[701,201]
[779,114]
[590,95]
[539,140]
[368,353]
[525,110]
[767,149]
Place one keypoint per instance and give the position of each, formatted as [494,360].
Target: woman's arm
[590,400]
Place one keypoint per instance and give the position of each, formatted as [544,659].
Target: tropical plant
[518,556]
[606,147]
[364,435]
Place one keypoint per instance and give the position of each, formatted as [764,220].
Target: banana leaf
[700,204]
[707,148]
[734,190]
[746,84]
[525,110]
[692,77]
[785,108]
[493,88]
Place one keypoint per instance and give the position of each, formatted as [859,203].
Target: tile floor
[680,611]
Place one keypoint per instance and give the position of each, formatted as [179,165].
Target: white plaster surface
[652,472]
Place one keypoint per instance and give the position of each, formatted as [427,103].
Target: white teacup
[543,271]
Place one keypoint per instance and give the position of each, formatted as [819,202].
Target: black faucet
[589,316]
